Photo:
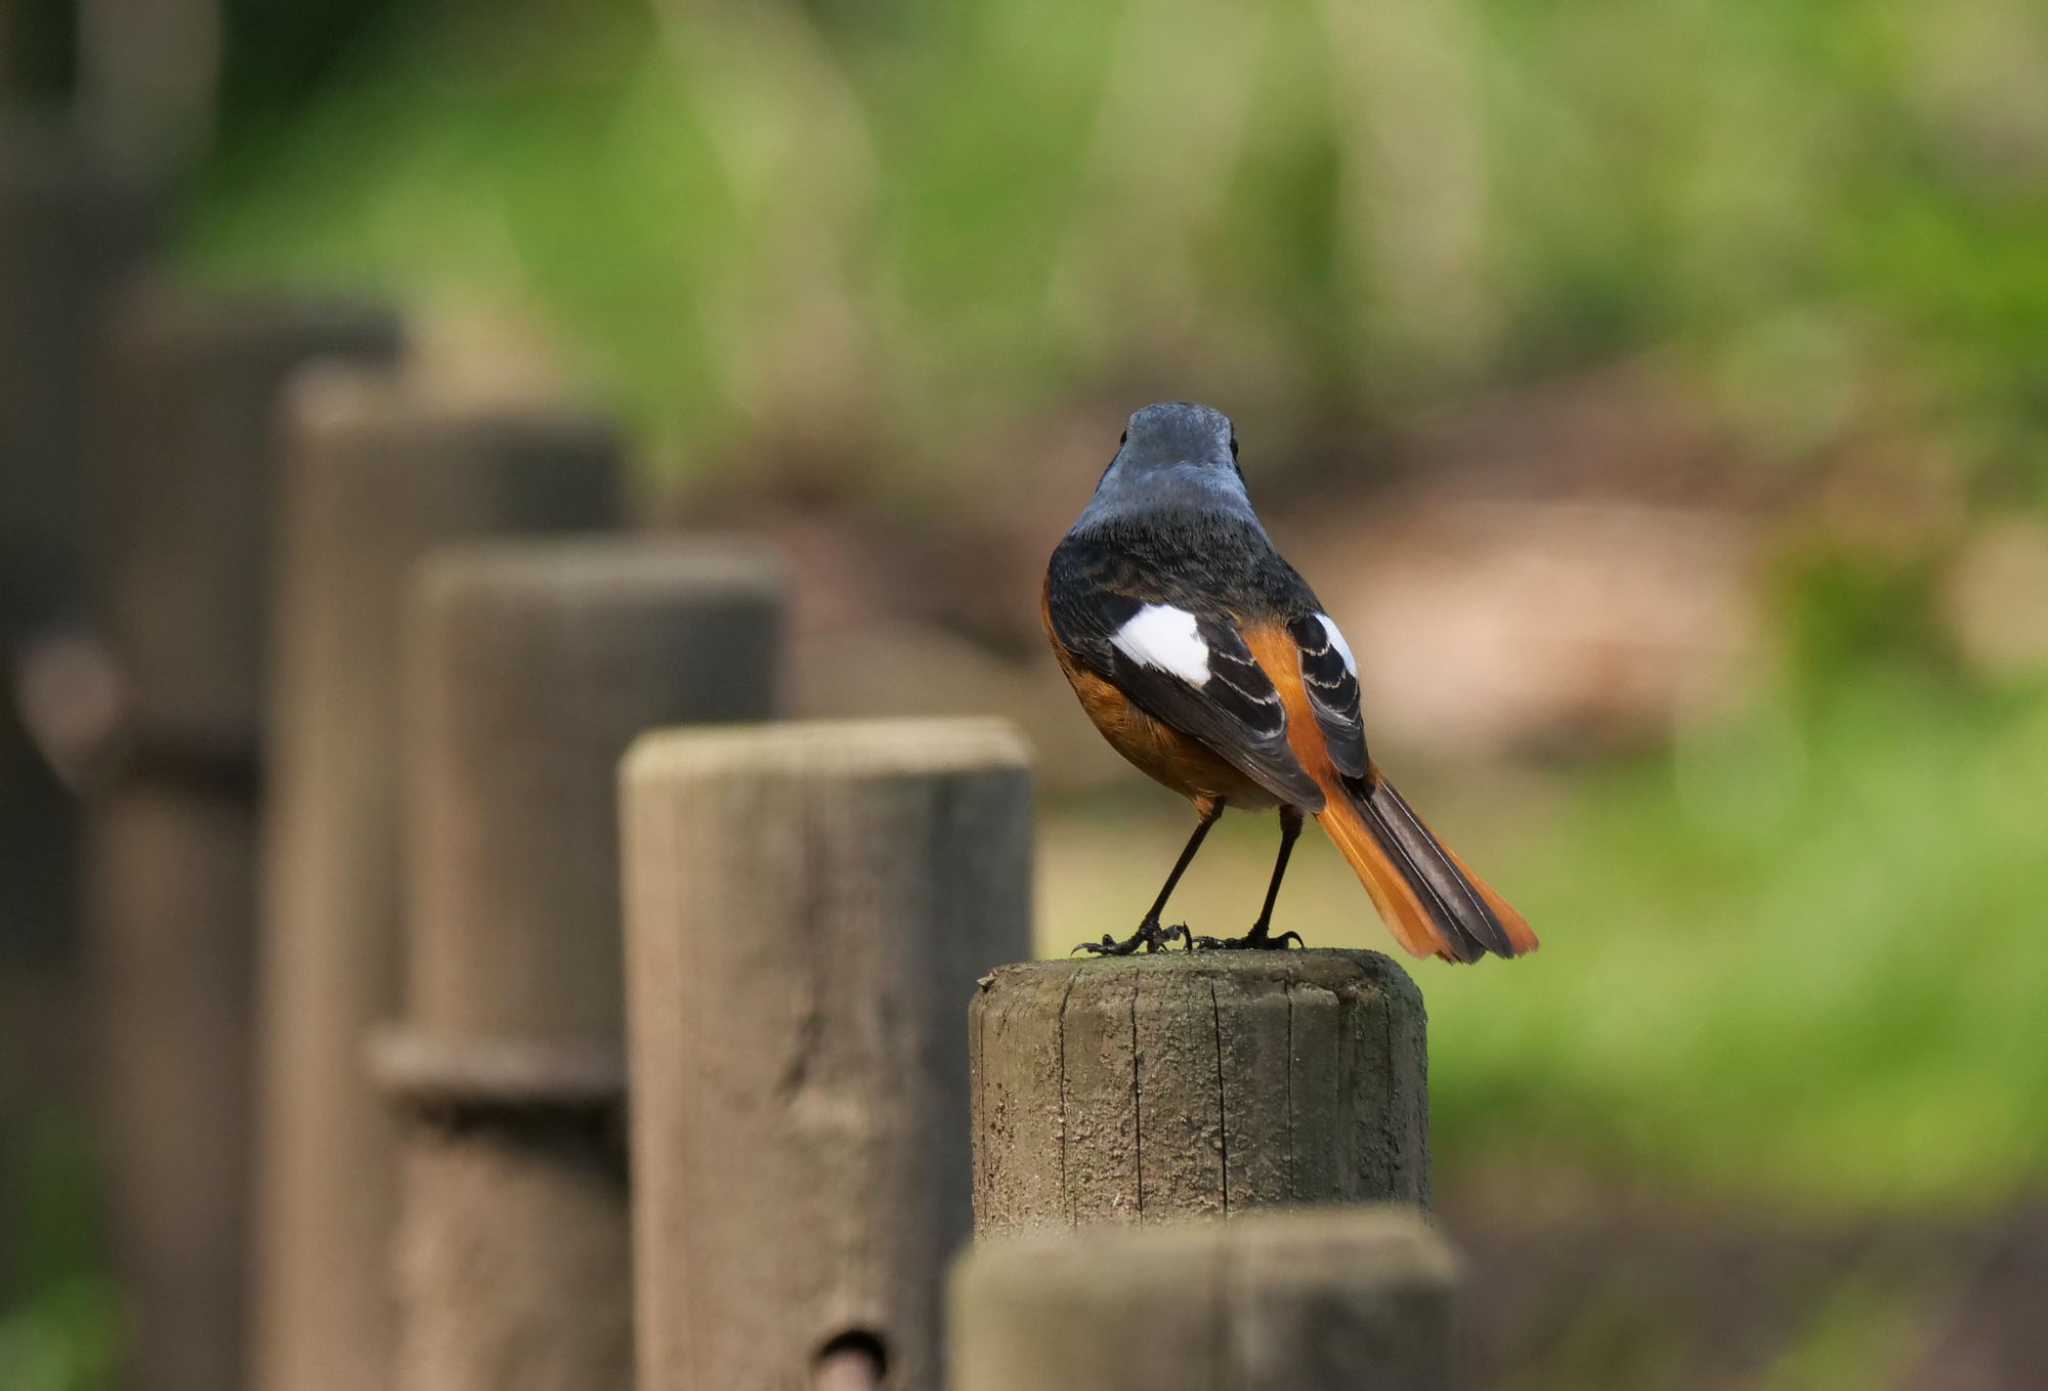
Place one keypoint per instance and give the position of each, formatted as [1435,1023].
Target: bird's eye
[1123,439]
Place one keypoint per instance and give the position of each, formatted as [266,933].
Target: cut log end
[1136,1089]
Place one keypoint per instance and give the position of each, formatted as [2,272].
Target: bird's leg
[1260,935]
[1150,936]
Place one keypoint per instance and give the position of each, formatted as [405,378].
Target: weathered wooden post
[808,907]
[147,74]
[530,669]
[1309,1300]
[379,468]
[1144,1088]
[73,224]
[71,227]
[185,486]
[182,476]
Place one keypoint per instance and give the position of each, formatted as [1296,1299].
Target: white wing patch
[1166,638]
[1337,641]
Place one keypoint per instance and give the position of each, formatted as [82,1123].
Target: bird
[1206,660]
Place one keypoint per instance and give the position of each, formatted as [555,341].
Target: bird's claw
[1258,939]
[1149,937]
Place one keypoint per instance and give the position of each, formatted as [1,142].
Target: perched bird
[1209,663]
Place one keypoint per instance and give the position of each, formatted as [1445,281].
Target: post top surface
[580,570]
[157,312]
[1328,967]
[339,398]
[813,747]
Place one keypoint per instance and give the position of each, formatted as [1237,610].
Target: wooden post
[1282,1301]
[185,485]
[71,227]
[530,669]
[167,904]
[147,75]
[184,468]
[1142,1088]
[808,907]
[379,468]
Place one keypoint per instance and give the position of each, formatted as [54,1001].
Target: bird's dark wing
[1176,658]
[1332,691]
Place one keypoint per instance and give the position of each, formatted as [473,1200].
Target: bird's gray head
[1175,456]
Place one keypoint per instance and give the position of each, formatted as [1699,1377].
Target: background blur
[1655,394]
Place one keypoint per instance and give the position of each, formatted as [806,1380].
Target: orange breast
[1155,748]
[1161,751]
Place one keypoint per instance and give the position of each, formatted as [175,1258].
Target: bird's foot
[1258,939]
[1150,936]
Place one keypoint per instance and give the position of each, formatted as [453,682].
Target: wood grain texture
[379,469]
[1294,1301]
[808,909]
[1145,1088]
[531,667]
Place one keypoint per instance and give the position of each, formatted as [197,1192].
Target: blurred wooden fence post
[71,226]
[379,468]
[147,75]
[1145,1088]
[808,907]
[185,431]
[183,474]
[1282,1301]
[529,670]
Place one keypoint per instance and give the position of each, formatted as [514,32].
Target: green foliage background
[920,217]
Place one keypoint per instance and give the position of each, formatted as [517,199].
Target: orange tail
[1426,895]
